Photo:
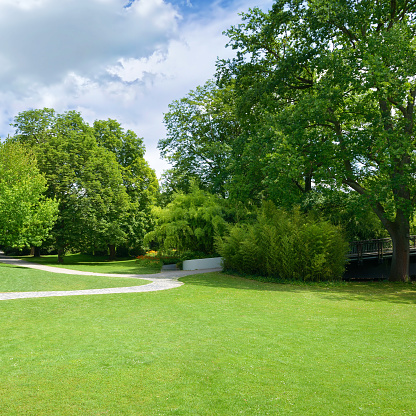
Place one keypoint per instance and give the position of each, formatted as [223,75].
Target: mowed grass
[219,345]
[88,263]
[20,279]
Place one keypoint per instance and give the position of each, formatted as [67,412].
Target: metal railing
[375,249]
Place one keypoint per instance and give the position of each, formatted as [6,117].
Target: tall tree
[200,128]
[83,177]
[139,180]
[26,216]
[213,140]
[338,78]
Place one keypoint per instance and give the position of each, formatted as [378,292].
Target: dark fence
[375,249]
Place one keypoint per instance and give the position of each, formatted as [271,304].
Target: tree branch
[298,185]
[399,106]
[352,38]
[404,11]
[385,112]
[393,8]
[331,126]
[376,207]
[305,80]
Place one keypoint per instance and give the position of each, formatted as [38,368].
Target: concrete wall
[199,264]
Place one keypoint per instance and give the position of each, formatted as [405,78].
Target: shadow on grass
[84,262]
[404,293]
[74,259]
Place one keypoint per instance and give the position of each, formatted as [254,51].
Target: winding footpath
[167,279]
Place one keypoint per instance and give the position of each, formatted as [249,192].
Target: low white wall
[200,264]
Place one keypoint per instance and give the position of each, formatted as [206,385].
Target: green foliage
[288,246]
[98,174]
[333,83]
[139,180]
[189,222]
[86,180]
[200,128]
[347,209]
[26,216]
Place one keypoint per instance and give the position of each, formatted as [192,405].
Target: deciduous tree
[26,216]
[200,128]
[337,78]
[139,180]
[83,177]
[190,222]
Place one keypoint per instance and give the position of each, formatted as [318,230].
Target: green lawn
[20,279]
[87,263]
[219,345]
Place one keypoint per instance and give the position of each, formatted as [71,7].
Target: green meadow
[97,264]
[20,279]
[218,345]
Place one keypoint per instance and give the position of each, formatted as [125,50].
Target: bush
[189,222]
[285,245]
[149,261]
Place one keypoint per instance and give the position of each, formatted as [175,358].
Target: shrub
[149,261]
[189,222]
[285,245]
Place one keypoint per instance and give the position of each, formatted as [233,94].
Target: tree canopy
[200,128]
[336,82]
[26,216]
[94,173]
[139,180]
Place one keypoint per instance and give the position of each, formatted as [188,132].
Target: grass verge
[21,279]
[88,263]
[219,345]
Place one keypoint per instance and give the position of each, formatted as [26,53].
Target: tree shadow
[404,293]
[14,266]
[96,264]
[73,259]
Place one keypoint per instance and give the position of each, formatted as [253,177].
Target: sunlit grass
[219,345]
[20,279]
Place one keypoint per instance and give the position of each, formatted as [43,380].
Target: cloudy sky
[120,59]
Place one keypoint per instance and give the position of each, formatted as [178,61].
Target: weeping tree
[189,222]
[337,79]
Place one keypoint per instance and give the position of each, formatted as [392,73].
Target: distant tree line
[94,188]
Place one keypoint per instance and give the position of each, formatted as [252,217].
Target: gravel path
[167,279]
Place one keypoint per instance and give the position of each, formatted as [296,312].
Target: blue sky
[196,6]
[107,60]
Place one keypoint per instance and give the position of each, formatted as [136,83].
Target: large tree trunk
[112,250]
[61,253]
[399,271]
[399,231]
[35,251]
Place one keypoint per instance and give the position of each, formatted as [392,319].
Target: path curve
[167,279]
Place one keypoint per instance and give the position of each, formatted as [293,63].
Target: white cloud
[108,61]
[48,39]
